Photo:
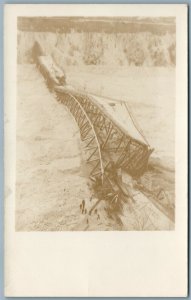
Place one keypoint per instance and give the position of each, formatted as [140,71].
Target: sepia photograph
[96,150]
[95,123]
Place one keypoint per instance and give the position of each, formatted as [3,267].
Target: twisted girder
[115,146]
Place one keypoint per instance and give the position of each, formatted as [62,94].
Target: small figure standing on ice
[83,206]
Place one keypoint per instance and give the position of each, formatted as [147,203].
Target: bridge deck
[118,113]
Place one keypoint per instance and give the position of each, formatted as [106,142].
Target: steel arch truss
[117,149]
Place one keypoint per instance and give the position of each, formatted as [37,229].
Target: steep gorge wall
[75,48]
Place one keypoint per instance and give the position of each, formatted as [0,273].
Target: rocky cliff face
[91,48]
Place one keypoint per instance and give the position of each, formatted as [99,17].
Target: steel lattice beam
[124,151]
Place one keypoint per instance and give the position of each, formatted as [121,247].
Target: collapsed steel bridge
[104,139]
[108,145]
[112,141]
